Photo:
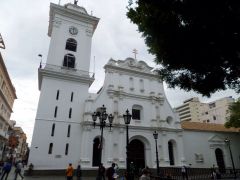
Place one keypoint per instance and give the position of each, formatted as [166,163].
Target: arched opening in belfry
[96,152]
[136,154]
[69,61]
[220,159]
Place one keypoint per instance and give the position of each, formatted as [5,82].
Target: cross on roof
[135,52]
[75,2]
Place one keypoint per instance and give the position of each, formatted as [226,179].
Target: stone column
[180,150]
[86,146]
[165,149]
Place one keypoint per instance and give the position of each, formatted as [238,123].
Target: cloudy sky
[24,25]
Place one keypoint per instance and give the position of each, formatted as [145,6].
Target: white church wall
[200,146]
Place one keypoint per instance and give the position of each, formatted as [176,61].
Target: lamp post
[155,135]
[102,115]
[227,141]
[127,119]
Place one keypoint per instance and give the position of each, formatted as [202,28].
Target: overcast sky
[24,25]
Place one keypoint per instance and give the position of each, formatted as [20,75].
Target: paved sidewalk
[12,175]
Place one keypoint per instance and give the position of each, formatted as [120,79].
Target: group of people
[111,173]
[6,169]
[70,172]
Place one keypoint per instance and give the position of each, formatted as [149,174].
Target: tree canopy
[234,119]
[196,42]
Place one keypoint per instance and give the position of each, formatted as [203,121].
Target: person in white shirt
[18,170]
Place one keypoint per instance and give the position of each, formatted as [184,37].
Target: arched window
[69,61]
[53,129]
[71,44]
[50,148]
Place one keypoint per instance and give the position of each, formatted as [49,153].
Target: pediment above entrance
[130,64]
[216,138]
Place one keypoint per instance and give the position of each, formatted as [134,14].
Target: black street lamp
[102,116]
[155,135]
[127,119]
[227,141]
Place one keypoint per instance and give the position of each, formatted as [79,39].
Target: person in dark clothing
[101,172]
[184,172]
[79,172]
[110,172]
[6,169]
[18,170]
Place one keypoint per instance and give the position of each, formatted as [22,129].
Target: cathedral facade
[65,132]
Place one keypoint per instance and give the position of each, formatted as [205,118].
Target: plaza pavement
[11,177]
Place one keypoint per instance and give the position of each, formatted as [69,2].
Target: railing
[67,70]
[175,173]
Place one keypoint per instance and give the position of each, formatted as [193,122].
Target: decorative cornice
[134,127]
[64,74]
[119,93]
[72,14]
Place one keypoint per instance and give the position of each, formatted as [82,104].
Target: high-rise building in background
[213,112]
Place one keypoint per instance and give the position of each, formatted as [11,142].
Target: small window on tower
[71,96]
[53,129]
[66,149]
[57,95]
[50,148]
[70,113]
[69,61]
[55,112]
[69,130]
[71,45]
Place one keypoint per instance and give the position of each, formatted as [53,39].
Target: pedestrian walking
[30,169]
[18,170]
[144,175]
[6,169]
[101,172]
[110,172]
[79,172]
[69,172]
[184,172]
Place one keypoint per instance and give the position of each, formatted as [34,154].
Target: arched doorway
[171,153]
[220,159]
[137,154]
[96,152]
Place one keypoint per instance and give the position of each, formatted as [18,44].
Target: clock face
[73,30]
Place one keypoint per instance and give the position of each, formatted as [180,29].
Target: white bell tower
[64,82]
[71,29]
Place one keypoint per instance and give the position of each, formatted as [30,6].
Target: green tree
[196,42]
[234,119]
